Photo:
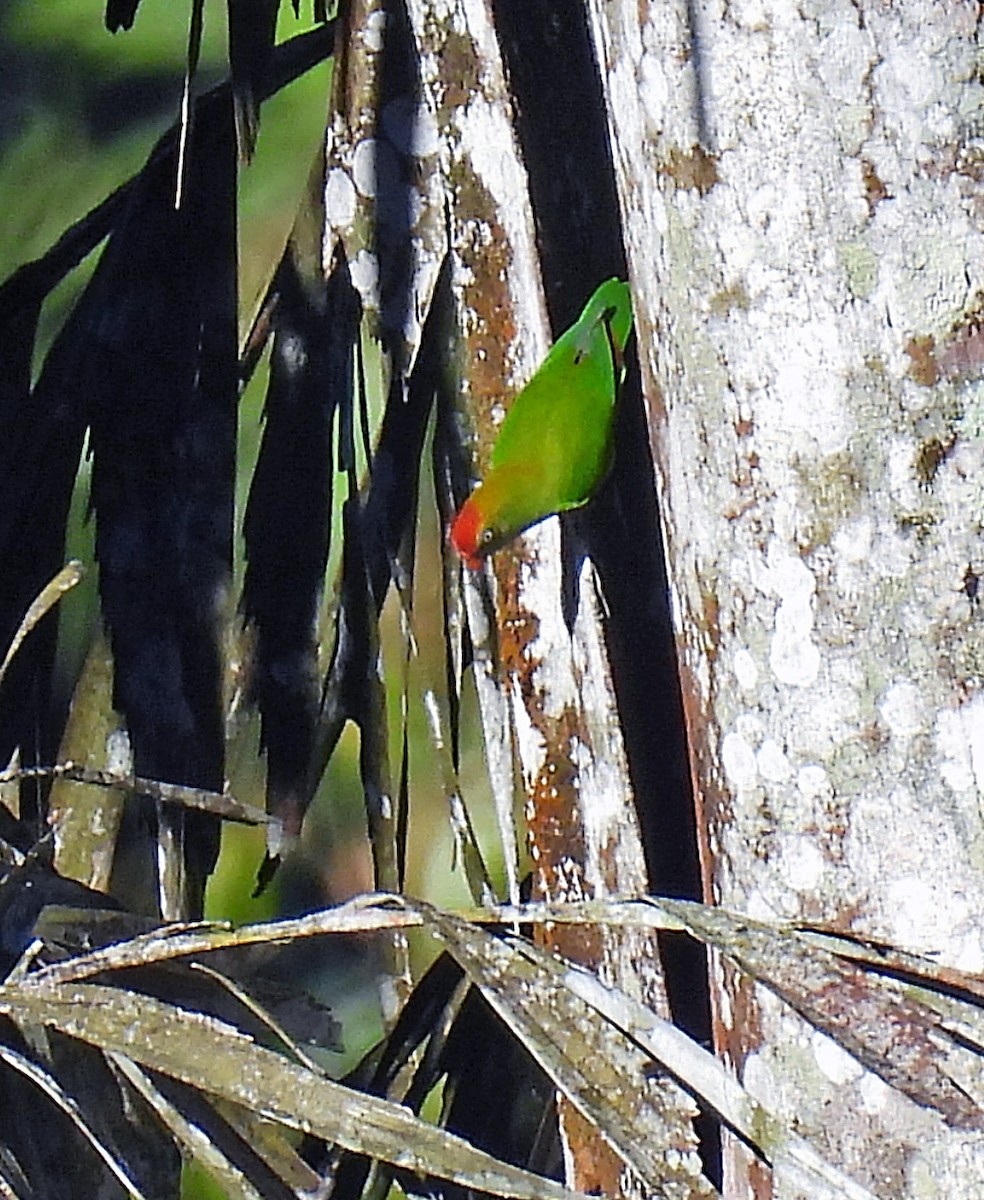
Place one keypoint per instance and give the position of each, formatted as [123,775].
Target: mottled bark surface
[801,193]
[423,149]
[555,680]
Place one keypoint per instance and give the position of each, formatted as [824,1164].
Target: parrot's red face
[493,514]
[466,534]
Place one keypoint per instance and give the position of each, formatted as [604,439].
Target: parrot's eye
[487,536]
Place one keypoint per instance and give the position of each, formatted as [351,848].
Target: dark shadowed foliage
[148,367]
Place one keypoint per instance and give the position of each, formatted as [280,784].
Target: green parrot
[555,446]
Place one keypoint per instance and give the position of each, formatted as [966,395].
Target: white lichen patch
[800,863]
[812,781]
[759,1079]
[903,709]
[875,1093]
[772,763]
[839,1067]
[653,91]
[364,166]
[911,902]
[364,270]
[960,744]
[373,30]
[852,541]
[777,905]
[812,366]
[794,657]
[745,669]
[968,944]
[845,55]
[119,754]
[340,198]
[739,762]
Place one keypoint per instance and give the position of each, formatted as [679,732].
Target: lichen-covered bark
[566,729]
[801,193]
[382,198]
[555,683]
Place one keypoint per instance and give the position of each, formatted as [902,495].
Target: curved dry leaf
[879,1020]
[928,1013]
[604,1075]
[364,914]
[48,597]
[218,1059]
[249,1158]
[57,1095]
[940,1015]
[911,1021]
[708,1078]
[188,1135]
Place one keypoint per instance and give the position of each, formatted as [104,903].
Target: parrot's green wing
[560,424]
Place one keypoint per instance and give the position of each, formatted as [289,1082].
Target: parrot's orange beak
[465,531]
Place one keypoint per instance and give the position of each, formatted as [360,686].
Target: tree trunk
[801,197]
[542,666]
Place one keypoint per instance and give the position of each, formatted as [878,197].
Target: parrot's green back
[562,418]
[555,445]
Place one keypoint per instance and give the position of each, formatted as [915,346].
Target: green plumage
[555,445]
